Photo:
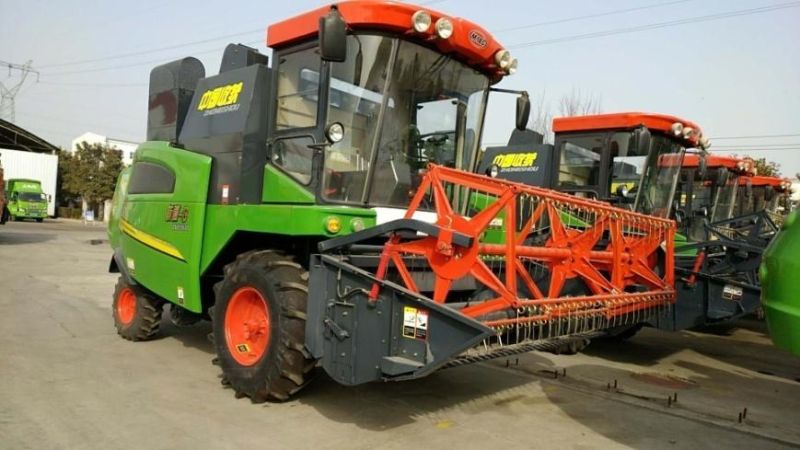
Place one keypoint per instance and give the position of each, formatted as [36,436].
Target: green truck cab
[26,200]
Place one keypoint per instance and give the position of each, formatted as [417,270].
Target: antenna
[8,93]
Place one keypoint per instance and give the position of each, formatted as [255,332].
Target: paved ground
[68,382]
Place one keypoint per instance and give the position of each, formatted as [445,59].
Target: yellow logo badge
[515,160]
[220,96]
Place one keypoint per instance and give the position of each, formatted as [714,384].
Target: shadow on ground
[651,346]
[20,238]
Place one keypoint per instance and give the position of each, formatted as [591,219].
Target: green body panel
[281,188]
[779,274]
[175,219]
[21,208]
[281,219]
[496,232]
[169,240]
[116,207]
[681,249]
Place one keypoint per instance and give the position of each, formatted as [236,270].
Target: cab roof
[744,166]
[627,120]
[782,184]
[469,43]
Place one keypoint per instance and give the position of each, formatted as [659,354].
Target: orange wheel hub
[126,306]
[247,326]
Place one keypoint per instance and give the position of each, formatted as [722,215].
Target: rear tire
[137,313]
[40,220]
[259,323]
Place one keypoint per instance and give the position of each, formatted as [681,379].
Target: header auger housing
[565,267]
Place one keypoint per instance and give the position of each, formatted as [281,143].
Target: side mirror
[701,212]
[642,136]
[523,111]
[769,193]
[680,216]
[702,167]
[721,176]
[333,36]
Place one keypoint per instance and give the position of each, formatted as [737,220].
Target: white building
[127,147]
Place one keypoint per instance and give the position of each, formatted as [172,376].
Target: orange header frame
[469,42]
[626,120]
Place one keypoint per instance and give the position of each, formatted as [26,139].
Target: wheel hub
[126,306]
[247,326]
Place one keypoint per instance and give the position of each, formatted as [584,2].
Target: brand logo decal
[478,39]
[221,99]
[515,160]
[177,215]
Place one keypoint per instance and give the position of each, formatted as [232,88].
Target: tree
[577,104]
[90,173]
[768,168]
[573,104]
[542,117]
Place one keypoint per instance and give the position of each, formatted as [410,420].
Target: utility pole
[9,92]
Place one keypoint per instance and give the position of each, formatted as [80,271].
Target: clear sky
[734,76]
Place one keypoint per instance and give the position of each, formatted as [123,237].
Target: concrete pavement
[69,382]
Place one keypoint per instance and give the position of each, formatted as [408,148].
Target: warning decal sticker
[415,323]
[731,292]
[243,348]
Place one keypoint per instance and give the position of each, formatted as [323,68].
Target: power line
[148,51]
[589,16]
[227,36]
[755,136]
[791,144]
[734,149]
[94,85]
[653,26]
[141,63]
[8,94]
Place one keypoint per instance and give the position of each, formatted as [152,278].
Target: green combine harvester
[322,211]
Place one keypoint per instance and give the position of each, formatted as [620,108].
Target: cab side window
[294,155]
[298,89]
[150,178]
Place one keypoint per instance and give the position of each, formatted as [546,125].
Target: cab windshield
[727,187]
[661,169]
[402,106]
[31,197]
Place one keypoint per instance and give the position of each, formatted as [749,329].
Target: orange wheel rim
[247,326]
[126,306]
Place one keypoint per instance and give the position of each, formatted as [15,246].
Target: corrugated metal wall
[36,166]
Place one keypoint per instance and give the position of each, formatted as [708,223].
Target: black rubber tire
[286,366]
[146,321]
[40,220]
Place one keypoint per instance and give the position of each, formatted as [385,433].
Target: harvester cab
[615,158]
[637,161]
[767,194]
[707,191]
